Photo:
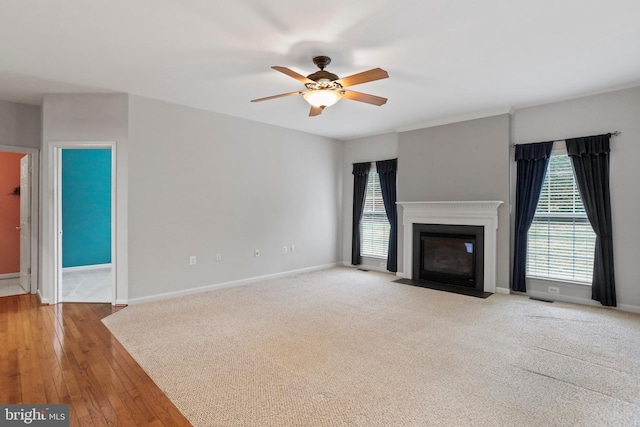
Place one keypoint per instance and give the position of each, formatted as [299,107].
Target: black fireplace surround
[449,254]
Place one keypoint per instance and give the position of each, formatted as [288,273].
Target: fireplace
[449,254]
[479,214]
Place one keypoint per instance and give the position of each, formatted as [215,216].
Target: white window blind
[374,227]
[560,241]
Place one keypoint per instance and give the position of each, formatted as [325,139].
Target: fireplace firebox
[449,254]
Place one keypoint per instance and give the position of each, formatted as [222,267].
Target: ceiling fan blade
[364,77]
[364,97]
[277,96]
[315,111]
[293,74]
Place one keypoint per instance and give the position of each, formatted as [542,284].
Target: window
[560,241]
[374,227]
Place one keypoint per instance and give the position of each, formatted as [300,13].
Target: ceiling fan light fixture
[322,97]
[323,89]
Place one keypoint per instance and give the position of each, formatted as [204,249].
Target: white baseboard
[582,301]
[368,267]
[504,291]
[86,267]
[563,298]
[9,276]
[44,301]
[629,308]
[201,289]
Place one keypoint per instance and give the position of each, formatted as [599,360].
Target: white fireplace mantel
[478,213]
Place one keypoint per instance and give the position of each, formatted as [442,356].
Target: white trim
[50,238]
[583,301]
[367,267]
[9,276]
[86,267]
[628,308]
[456,119]
[478,213]
[559,148]
[34,210]
[534,279]
[563,298]
[207,288]
[43,300]
[554,100]
[504,291]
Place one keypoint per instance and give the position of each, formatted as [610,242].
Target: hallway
[11,287]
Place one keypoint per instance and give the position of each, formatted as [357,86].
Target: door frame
[34,180]
[57,147]
[25,222]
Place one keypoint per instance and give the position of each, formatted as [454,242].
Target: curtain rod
[615,133]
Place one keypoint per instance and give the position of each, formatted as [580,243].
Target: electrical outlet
[284,249]
[293,248]
[553,290]
[218,256]
[257,252]
[192,260]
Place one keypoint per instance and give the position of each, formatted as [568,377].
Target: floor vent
[541,299]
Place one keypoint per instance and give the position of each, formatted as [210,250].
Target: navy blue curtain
[387,171]
[590,159]
[360,178]
[532,161]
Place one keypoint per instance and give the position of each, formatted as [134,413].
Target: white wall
[369,149]
[21,132]
[83,118]
[594,115]
[20,125]
[463,161]
[202,183]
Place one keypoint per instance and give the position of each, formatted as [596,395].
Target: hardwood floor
[64,354]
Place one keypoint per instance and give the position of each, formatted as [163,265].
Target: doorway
[85,204]
[17,207]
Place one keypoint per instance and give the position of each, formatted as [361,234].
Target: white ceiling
[445,58]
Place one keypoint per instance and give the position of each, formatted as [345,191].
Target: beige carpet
[342,347]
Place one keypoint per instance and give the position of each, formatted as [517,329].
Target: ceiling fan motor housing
[322,75]
[322,62]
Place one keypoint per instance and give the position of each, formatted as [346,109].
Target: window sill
[562,281]
[374,257]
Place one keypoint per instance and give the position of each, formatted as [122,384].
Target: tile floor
[11,287]
[77,286]
[92,285]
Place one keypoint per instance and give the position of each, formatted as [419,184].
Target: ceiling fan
[325,89]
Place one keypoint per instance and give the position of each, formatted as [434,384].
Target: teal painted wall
[86,207]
